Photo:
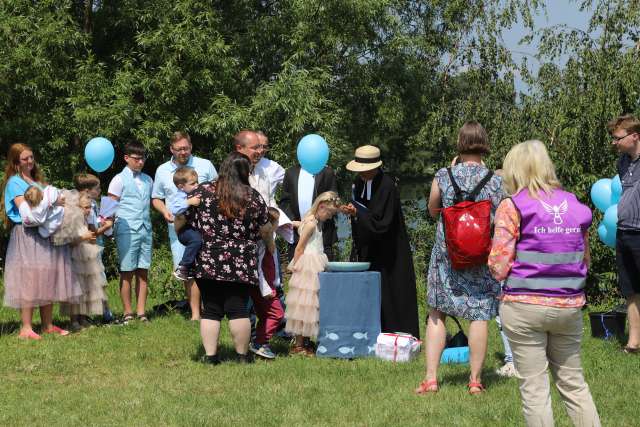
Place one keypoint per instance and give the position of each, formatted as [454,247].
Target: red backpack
[467,227]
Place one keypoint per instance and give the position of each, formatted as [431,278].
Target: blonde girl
[302,312]
[85,261]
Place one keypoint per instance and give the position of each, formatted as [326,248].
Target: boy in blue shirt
[186,180]
[132,228]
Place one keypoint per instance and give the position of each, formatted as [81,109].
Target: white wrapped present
[397,347]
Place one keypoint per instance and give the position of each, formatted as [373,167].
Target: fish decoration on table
[371,348]
[332,336]
[360,335]
[322,349]
[347,350]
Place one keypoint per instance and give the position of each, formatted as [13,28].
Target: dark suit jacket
[324,181]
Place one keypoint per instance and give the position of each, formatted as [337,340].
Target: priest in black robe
[380,237]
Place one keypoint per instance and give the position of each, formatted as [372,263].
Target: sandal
[142,317]
[480,388]
[301,351]
[58,331]
[29,336]
[631,350]
[427,386]
[126,319]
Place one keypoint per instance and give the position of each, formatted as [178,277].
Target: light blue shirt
[178,204]
[16,186]
[163,186]
[133,208]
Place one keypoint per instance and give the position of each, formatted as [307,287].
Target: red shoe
[427,387]
[58,331]
[478,386]
[29,335]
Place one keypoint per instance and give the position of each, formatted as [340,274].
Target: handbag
[459,339]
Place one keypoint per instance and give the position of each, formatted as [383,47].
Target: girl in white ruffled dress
[85,260]
[303,307]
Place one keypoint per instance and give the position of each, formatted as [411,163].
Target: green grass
[147,374]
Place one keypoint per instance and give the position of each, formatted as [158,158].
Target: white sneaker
[508,370]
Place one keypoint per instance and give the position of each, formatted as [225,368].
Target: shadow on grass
[499,356]
[8,328]
[170,307]
[226,353]
[489,378]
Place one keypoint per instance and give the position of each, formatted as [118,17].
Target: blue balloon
[606,237]
[99,154]
[610,219]
[616,189]
[313,153]
[601,194]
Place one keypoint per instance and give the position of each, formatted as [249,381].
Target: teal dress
[470,294]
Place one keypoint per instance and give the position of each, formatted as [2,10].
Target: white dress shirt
[306,184]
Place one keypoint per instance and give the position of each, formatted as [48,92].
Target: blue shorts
[134,248]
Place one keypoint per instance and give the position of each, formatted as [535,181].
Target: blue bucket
[455,355]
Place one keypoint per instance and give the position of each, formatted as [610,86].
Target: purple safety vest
[550,251]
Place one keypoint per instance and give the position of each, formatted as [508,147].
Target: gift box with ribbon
[397,347]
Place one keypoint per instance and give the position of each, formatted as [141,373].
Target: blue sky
[558,12]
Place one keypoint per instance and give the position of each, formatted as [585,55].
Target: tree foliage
[403,75]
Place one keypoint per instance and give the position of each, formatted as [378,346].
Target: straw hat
[367,158]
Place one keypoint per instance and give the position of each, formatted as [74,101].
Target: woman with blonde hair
[540,250]
[467,293]
[36,272]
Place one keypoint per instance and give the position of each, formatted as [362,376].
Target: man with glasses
[265,177]
[270,168]
[625,136]
[164,191]
[132,228]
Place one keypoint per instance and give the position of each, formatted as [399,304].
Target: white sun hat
[367,158]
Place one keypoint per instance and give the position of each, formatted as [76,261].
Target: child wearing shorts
[132,228]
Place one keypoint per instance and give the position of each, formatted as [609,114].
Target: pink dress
[303,305]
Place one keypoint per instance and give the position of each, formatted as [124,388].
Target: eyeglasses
[138,158]
[618,138]
[181,149]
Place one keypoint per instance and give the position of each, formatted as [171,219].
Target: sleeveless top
[315,243]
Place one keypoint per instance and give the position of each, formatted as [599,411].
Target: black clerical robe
[380,237]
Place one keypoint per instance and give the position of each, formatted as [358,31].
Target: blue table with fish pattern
[349,314]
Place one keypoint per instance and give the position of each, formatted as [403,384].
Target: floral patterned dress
[229,249]
[470,294]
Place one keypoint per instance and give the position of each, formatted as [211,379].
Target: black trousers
[221,298]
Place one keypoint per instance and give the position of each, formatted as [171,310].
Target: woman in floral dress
[472,293]
[230,217]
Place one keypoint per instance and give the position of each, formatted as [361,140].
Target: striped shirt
[629,204]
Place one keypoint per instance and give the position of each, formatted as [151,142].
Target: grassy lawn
[147,374]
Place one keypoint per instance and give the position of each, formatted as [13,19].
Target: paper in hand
[285,228]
